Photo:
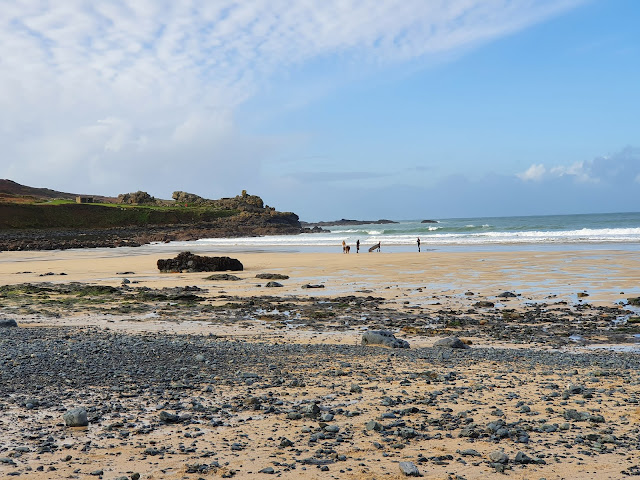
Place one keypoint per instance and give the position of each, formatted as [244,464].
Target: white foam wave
[334,239]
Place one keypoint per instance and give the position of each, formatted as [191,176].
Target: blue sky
[389,109]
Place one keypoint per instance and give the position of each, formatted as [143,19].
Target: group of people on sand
[347,249]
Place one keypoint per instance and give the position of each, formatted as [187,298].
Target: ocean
[583,231]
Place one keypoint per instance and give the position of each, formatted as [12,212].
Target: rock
[524,459]
[450,342]
[484,304]
[169,417]
[285,442]
[76,417]
[272,276]
[8,322]
[188,262]
[223,277]
[499,457]
[635,301]
[469,452]
[311,410]
[506,295]
[383,337]
[409,469]
[373,425]
[573,389]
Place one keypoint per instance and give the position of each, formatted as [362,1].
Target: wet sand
[607,276]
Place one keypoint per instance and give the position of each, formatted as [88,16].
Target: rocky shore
[163,406]
[110,369]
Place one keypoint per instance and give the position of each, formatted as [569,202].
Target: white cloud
[578,170]
[119,81]
[534,173]
[616,169]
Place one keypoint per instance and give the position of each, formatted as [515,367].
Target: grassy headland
[35,218]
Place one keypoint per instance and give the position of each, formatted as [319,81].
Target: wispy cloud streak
[86,81]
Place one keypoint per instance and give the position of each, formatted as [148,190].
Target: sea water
[582,231]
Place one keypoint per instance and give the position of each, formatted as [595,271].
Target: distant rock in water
[188,262]
[345,221]
[429,221]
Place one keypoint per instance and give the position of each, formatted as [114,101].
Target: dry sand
[422,283]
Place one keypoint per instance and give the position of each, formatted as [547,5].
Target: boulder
[8,322]
[450,342]
[383,337]
[188,262]
[76,417]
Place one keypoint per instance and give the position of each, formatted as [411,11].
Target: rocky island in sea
[345,221]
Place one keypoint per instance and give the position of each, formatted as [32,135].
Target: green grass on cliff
[68,214]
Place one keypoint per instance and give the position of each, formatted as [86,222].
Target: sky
[398,109]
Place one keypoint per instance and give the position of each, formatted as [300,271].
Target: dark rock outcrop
[136,198]
[188,262]
[8,322]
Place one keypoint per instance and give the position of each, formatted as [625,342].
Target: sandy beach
[187,377]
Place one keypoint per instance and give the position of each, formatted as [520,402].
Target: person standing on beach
[418,244]
[358,246]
